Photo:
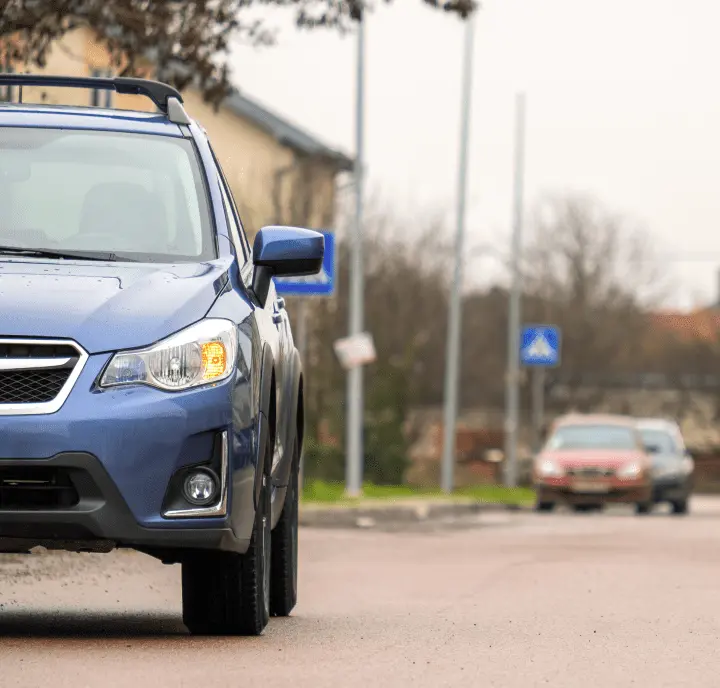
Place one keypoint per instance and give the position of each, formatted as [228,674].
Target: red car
[589,460]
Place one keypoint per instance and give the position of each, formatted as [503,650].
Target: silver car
[672,464]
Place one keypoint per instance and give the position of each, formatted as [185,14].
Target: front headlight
[549,469]
[198,355]
[630,471]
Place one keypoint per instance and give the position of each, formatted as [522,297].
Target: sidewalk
[368,513]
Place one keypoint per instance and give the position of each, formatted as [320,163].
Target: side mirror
[285,252]
[652,449]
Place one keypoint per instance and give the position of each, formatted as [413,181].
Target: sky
[623,104]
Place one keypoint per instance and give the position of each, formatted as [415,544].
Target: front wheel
[643,508]
[284,571]
[545,507]
[229,594]
[680,507]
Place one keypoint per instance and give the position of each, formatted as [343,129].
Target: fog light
[200,487]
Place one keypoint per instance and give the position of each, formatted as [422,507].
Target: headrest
[123,209]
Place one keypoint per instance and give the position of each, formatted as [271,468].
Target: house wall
[253,161]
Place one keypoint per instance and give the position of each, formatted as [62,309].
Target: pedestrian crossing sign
[540,346]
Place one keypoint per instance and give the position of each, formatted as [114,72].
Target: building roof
[702,324]
[284,131]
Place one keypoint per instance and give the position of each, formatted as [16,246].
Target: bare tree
[405,310]
[582,253]
[593,273]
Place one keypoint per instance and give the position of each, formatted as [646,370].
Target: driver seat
[125,210]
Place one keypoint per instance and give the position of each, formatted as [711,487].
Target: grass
[321,492]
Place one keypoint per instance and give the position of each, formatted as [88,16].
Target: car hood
[594,457]
[105,306]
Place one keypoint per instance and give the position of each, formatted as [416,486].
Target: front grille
[31,386]
[35,372]
[36,349]
[590,472]
[28,488]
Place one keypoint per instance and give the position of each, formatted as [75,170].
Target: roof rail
[161,94]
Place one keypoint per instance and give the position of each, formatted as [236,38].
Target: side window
[243,235]
[233,215]
[232,221]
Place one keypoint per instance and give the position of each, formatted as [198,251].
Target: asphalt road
[515,600]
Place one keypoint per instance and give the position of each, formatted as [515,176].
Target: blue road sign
[322,284]
[540,346]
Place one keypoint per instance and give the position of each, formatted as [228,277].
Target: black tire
[284,571]
[544,506]
[582,508]
[226,593]
[681,507]
[643,508]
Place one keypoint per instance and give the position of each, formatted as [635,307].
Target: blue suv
[151,396]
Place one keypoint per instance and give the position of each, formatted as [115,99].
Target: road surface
[517,600]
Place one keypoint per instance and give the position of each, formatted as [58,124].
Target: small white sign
[356,350]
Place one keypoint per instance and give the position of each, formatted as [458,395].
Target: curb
[370,516]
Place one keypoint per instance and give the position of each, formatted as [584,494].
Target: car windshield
[660,440]
[592,437]
[140,197]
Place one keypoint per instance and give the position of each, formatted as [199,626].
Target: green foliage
[386,447]
[323,462]
[329,492]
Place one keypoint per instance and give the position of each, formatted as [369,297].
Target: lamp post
[355,405]
[513,262]
[452,355]
[512,378]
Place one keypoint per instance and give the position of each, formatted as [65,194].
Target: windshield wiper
[62,255]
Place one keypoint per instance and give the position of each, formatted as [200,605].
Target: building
[279,173]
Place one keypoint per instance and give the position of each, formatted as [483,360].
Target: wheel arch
[266,418]
[293,420]
[300,429]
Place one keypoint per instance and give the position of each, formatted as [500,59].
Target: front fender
[250,405]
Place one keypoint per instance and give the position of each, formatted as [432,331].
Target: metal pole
[453,351]
[512,378]
[302,331]
[538,401]
[354,460]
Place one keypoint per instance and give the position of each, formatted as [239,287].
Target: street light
[355,405]
[513,262]
[512,379]
[454,317]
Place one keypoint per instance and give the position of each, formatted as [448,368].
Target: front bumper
[564,491]
[671,488]
[121,448]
